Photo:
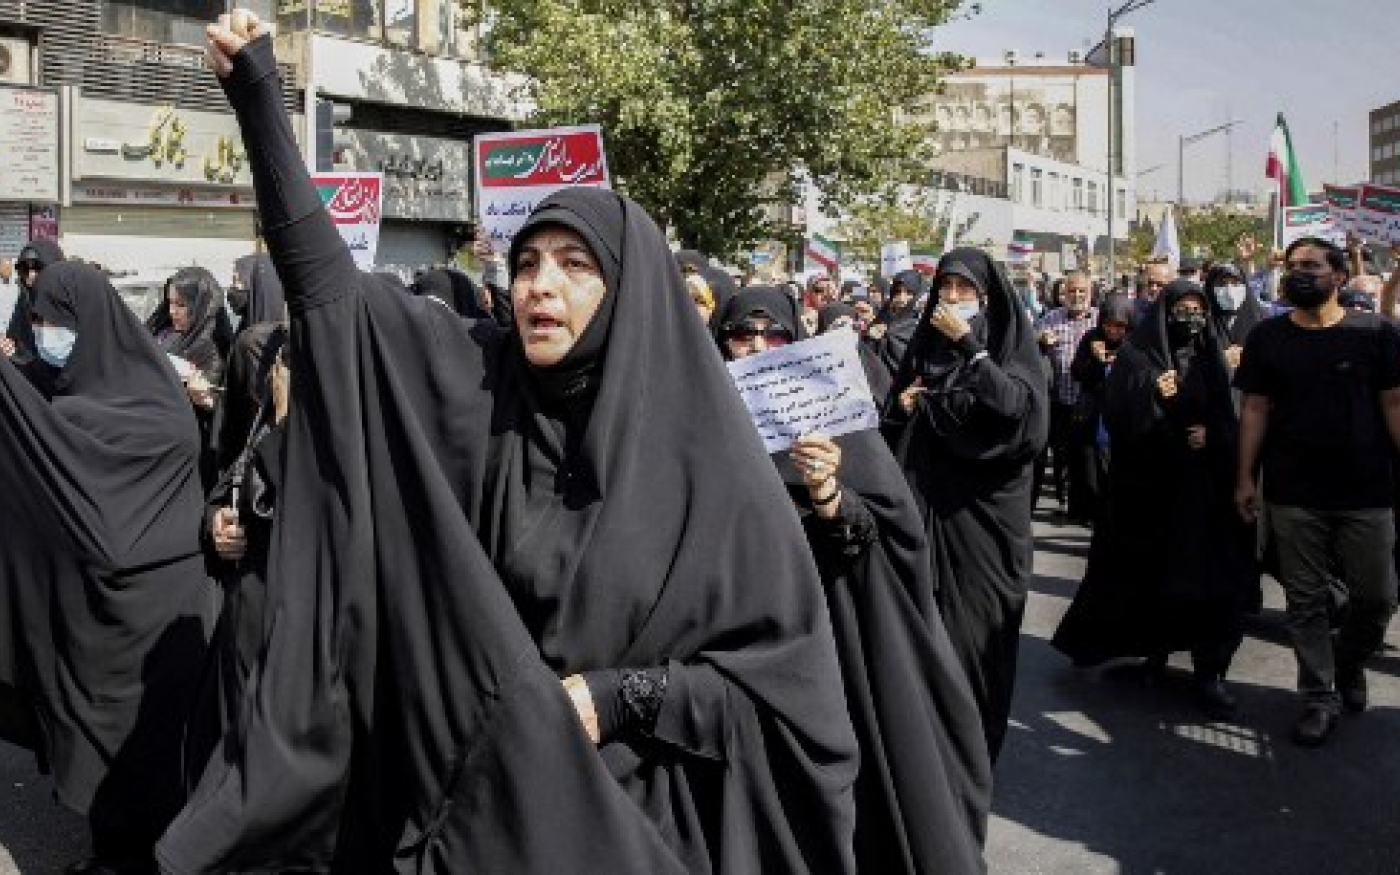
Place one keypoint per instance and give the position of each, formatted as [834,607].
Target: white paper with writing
[817,385]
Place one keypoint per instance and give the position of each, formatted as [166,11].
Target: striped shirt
[1068,332]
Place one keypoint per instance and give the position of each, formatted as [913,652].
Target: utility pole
[1114,62]
[1182,143]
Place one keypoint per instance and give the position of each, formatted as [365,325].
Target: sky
[1202,63]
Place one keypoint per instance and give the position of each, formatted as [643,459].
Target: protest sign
[1342,202]
[817,385]
[355,203]
[1378,214]
[1313,220]
[516,171]
[895,257]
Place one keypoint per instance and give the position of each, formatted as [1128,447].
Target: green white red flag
[823,252]
[1283,167]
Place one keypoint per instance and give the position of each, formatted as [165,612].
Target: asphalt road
[1100,775]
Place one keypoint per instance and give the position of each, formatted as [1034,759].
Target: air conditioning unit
[15,61]
[1075,58]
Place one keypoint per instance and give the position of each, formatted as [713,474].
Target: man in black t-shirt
[1321,413]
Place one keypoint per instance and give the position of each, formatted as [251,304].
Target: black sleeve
[1086,368]
[311,258]
[845,537]
[1388,371]
[627,699]
[1252,377]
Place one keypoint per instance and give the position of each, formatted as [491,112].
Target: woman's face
[703,307]
[179,310]
[755,334]
[955,289]
[557,288]
[900,296]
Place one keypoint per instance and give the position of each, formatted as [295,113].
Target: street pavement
[1100,776]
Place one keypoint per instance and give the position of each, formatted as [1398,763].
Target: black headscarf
[830,313]
[771,301]
[722,285]
[238,292]
[967,451]
[453,288]
[433,528]
[101,585]
[266,301]
[210,335]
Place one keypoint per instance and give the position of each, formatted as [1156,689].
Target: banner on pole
[1378,213]
[1313,220]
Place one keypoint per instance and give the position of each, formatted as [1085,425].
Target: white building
[1025,145]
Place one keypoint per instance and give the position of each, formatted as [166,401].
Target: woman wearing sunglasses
[924,786]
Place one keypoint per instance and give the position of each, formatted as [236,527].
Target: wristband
[835,494]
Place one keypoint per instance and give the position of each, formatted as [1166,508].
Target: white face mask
[1230,297]
[966,310]
[54,343]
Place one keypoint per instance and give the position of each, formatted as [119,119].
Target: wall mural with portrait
[1035,115]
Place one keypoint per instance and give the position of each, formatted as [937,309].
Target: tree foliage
[713,110]
[1204,233]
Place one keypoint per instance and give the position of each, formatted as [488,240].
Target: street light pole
[1113,66]
[1181,144]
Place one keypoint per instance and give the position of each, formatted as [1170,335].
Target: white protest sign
[895,257]
[516,171]
[1342,201]
[817,385]
[355,202]
[1378,214]
[1312,220]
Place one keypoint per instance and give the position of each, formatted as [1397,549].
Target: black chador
[457,531]
[102,586]
[1174,566]
[924,789]
[967,450]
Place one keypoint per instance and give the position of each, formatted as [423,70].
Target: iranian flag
[925,258]
[1283,166]
[823,252]
[1019,250]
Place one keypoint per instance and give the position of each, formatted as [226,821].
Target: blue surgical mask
[54,343]
[966,310]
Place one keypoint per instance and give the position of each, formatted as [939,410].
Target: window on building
[1076,200]
[1093,198]
[1037,193]
[178,22]
[1120,198]
[1056,196]
[1017,170]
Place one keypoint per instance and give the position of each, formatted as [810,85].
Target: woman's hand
[230,541]
[819,459]
[910,397]
[582,697]
[7,347]
[1166,385]
[228,36]
[949,323]
[200,392]
[1234,354]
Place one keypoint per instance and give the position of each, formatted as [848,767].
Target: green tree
[874,222]
[714,110]
[1211,233]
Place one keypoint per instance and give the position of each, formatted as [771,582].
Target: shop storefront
[29,171]
[156,188]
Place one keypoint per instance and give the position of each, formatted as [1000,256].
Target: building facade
[1023,146]
[1385,145]
[150,171]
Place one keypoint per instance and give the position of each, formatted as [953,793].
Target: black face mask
[238,301]
[1303,291]
[1188,327]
